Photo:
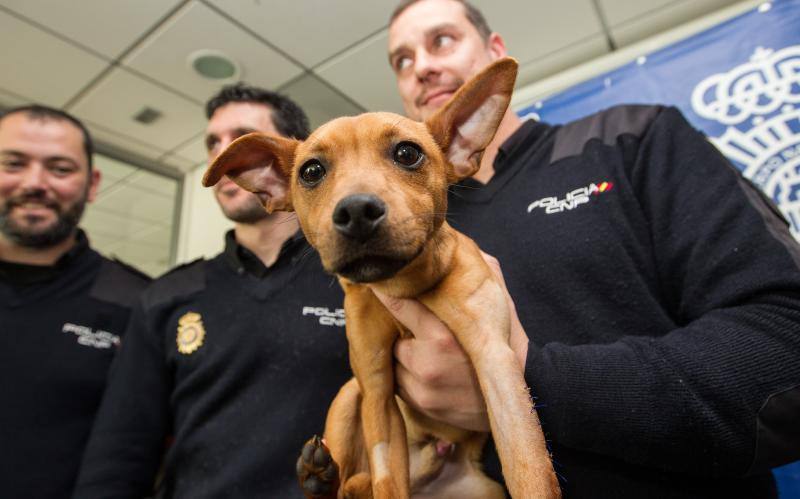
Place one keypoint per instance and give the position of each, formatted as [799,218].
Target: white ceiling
[104,60]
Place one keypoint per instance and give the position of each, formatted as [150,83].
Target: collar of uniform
[22,274]
[511,156]
[529,131]
[242,260]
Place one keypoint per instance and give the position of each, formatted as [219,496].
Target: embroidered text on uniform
[88,337]
[572,199]
[326,317]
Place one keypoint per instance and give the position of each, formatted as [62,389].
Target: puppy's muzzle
[358,216]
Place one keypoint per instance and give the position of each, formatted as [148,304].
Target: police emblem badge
[759,104]
[190,333]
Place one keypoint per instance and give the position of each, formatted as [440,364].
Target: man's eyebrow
[11,152]
[49,159]
[61,158]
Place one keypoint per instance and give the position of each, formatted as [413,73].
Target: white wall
[202,223]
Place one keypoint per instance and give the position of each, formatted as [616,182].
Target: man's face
[433,50]
[228,123]
[44,180]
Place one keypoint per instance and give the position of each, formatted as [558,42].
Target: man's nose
[425,65]
[34,177]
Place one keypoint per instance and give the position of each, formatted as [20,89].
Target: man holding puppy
[662,317]
[230,363]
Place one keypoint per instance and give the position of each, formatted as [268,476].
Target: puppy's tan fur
[383,447]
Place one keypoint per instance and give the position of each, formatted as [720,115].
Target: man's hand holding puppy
[433,373]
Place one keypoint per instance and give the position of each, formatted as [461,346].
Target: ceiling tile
[663,19]
[562,59]
[165,55]
[535,29]
[311,30]
[121,95]
[40,66]
[319,101]
[105,26]
[620,11]
[347,71]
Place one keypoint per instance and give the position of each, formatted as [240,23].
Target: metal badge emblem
[190,333]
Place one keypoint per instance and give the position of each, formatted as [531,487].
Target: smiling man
[63,307]
[46,182]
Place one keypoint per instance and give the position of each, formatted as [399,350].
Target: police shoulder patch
[190,333]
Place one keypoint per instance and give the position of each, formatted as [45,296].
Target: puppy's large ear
[465,125]
[260,163]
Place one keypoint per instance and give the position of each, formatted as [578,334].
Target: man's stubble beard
[30,236]
[248,213]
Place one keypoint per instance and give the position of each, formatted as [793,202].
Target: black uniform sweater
[60,327]
[263,352]
[661,295]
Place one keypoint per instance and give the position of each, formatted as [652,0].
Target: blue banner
[739,83]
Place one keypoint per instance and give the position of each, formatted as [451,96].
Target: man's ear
[260,163]
[94,184]
[465,125]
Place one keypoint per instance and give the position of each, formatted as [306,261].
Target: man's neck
[14,253]
[508,126]
[266,237]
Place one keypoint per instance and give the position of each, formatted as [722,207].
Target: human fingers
[415,316]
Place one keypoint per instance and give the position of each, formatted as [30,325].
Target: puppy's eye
[312,172]
[408,155]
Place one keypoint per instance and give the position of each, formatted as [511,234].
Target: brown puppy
[370,193]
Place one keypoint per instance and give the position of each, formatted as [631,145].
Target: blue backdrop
[738,82]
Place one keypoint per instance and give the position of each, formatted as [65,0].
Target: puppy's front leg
[371,333]
[473,305]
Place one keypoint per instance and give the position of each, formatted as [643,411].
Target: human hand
[433,374]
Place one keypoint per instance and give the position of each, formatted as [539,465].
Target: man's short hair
[474,16]
[40,112]
[288,118]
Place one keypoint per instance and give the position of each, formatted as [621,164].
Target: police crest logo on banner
[759,103]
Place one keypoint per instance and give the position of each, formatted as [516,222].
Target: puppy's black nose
[358,216]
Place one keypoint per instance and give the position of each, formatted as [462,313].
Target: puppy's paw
[317,472]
